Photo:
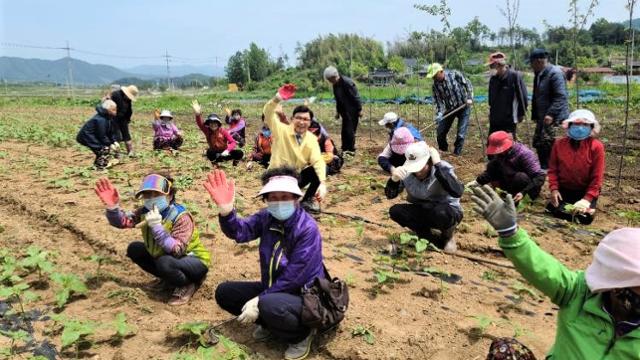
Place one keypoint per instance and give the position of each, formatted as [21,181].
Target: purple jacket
[164,131]
[290,251]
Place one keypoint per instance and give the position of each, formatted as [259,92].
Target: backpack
[325,302]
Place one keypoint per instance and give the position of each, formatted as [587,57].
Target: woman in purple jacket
[290,258]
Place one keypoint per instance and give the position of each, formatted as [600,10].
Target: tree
[258,62]
[478,32]
[607,33]
[396,64]
[510,13]
[235,69]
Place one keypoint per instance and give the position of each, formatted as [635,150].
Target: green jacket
[584,330]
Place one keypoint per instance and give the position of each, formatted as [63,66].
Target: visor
[281,183]
[154,182]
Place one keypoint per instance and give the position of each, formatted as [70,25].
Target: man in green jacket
[599,314]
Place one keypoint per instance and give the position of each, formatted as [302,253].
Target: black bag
[325,302]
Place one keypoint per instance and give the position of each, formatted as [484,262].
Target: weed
[489,275]
[350,279]
[483,322]
[69,284]
[365,332]
[520,289]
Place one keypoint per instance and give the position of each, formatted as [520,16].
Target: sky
[126,33]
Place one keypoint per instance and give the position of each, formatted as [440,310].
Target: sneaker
[182,295]
[260,333]
[311,206]
[300,350]
[112,163]
[157,285]
[447,240]
[132,154]
[451,247]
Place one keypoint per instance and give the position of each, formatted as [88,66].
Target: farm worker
[348,107]
[549,104]
[599,314]
[451,92]
[98,134]
[294,146]
[392,156]
[507,96]
[433,193]
[328,149]
[124,98]
[392,122]
[290,252]
[576,169]
[512,167]
[262,148]
[237,125]
[171,249]
[166,134]
[222,146]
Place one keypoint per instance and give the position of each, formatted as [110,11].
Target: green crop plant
[483,322]
[15,336]
[385,277]
[227,349]
[632,216]
[99,260]
[195,329]
[123,329]
[75,332]
[69,284]
[20,293]
[36,259]
[9,266]
[365,332]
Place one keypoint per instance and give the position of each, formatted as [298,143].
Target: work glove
[322,191]
[286,91]
[250,311]
[153,217]
[197,109]
[499,213]
[582,205]
[225,153]
[438,118]
[435,155]
[156,114]
[222,192]
[114,147]
[107,193]
[399,174]
[469,101]
[472,184]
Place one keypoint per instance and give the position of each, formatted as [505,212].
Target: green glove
[500,214]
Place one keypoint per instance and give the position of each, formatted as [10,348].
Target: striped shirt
[452,92]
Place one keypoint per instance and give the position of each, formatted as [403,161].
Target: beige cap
[131,91]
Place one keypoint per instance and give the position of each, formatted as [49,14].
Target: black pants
[570,197]
[349,128]
[504,126]
[543,139]
[102,157]
[175,271]
[509,180]
[309,177]
[173,143]
[279,312]
[215,156]
[122,133]
[421,218]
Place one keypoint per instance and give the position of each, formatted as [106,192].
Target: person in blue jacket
[98,134]
[392,122]
[290,258]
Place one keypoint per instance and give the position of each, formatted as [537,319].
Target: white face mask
[281,210]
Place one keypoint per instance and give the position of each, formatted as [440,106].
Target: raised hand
[107,193]
[222,192]
[499,213]
[156,114]
[287,91]
[197,109]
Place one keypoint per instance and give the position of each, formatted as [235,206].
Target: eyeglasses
[301,118]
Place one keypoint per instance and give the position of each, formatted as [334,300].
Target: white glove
[225,153]
[153,217]
[115,146]
[250,311]
[582,205]
[435,155]
[322,191]
[469,101]
[472,184]
[196,107]
[399,173]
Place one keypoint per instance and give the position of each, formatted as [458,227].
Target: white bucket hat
[166,113]
[616,261]
[417,155]
[582,116]
[281,183]
[388,118]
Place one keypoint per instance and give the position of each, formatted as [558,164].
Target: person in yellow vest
[171,249]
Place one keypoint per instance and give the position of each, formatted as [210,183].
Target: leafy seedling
[19,292]
[15,336]
[365,332]
[8,274]
[37,260]
[633,217]
[99,260]
[195,329]
[123,329]
[70,284]
[74,331]
[385,277]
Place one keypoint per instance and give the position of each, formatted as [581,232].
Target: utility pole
[69,72]
[166,55]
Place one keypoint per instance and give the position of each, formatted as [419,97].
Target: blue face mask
[281,210]
[266,133]
[579,132]
[159,201]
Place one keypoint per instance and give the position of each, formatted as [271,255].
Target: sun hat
[154,182]
[417,155]
[616,261]
[131,91]
[433,69]
[388,118]
[213,117]
[497,58]
[401,140]
[281,183]
[582,116]
[166,113]
[499,142]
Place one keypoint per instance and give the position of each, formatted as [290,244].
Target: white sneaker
[260,333]
[451,246]
[300,350]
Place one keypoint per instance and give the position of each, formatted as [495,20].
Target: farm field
[67,283]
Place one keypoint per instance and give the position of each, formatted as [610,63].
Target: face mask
[281,210]
[159,201]
[579,132]
[266,133]
[629,300]
[493,72]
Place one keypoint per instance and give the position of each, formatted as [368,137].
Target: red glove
[287,91]
[107,192]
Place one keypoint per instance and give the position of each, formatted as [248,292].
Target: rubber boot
[129,145]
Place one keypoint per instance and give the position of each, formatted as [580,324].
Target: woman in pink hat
[599,315]
[392,156]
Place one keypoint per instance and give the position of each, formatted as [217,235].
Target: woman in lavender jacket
[290,258]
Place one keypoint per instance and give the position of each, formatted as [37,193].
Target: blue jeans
[445,125]
[279,312]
